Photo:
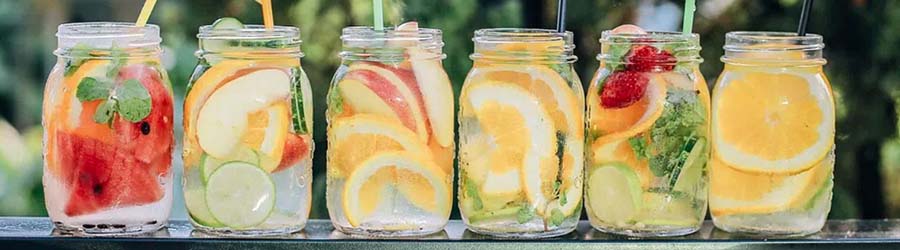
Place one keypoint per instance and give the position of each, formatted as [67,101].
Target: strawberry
[622,89]
[646,58]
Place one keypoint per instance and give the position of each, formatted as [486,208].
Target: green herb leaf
[525,214]
[639,146]
[76,57]
[615,56]
[134,102]
[91,89]
[297,102]
[681,122]
[472,194]
[119,58]
[105,112]
[562,199]
[556,217]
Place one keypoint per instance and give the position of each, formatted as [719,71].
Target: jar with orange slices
[108,137]
[648,133]
[521,123]
[772,135]
[248,132]
[390,133]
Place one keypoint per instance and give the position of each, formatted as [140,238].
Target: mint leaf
[615,56]
[91,89]
[118,61]
[562,199]
[556,217]
[472,194]
[133,101]
[680,124]
[297,102]
[525,214]
[639,146]
[105,112]
[76,57]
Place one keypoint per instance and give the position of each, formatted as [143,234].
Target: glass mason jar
[107,118]
[390,134]
[648,129]
[521,123]
[773,135]
[248,133]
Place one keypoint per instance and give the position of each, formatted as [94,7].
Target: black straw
[561,16]
[804,17]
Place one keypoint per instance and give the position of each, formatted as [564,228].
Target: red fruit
[622,89]
[152,137]
[296,148]
[646,58]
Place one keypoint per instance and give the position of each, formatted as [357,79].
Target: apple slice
[222,120]
[395,87]
[437,93]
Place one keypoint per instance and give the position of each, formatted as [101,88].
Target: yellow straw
[268,20]
[145,13]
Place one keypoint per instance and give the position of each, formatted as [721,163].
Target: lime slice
[227,23]
[692,170]
[240,195]
[209,164]
[614,192]
[195,200]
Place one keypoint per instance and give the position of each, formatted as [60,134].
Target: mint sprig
[133,101]
[91,89]
[130,100]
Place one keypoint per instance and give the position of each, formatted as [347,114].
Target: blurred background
[862,38]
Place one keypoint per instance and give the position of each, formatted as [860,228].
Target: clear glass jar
[390,134]
[107,118]
[521,123]
[248,133]
[648,129]
[773,135]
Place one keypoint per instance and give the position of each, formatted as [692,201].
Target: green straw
[379,14]
[689,7]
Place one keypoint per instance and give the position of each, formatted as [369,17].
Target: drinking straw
[561,16]
[804,17]
[145,13]
[268,20]
[688,23]
[379,14]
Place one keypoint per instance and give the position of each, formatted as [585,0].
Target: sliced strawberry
[646,58]
[622,89]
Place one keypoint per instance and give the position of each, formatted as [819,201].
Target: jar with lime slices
[521,122]
[390,133]
[648,116]
[247,131]
[773,135]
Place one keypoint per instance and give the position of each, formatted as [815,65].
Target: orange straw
[268,20]
[145,13]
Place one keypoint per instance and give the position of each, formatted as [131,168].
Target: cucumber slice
[299,97]
[195,200]
[666,209]
[614,193]
[240,195]
[227,23]
[209,164]
[692,170]
[501,214]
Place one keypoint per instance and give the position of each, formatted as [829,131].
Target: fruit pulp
[248,146]
[775,177]
[649,146]
[521,148]
[390,145]
[108,143]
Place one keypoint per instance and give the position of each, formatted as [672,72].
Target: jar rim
[524,35]
[107,34]
[249,32]
[750,41]
[650,37]
[367,36]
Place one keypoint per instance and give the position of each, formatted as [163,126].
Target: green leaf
[91,89]
[119,58]
[76,57]
[525,214]
[134,102]
[472,194]
[297,102]
[680,124]
[639,146]
[105,112]
[556,217]
[562,199]
[615,56]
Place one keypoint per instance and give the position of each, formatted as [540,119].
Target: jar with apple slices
[390,133]
[248,132]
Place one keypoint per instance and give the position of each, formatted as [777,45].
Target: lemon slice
[524,137]
[356,191]
[615,193]
[772,122]
[735,192]
[267,130]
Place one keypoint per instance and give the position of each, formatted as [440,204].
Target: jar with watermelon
[108,140]
[390,133]
[648,134]
[248,132]
[521,130]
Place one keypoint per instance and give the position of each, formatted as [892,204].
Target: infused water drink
[248,132]
[521,123]
[107,118]
[773,136]
[648,133]
[390,133]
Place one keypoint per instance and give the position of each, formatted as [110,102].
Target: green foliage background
[861,38]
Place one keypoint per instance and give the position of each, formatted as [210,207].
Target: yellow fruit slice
[735,192]
[523,138]
[357,137]
[200,90]
[632,120]
[266,132]
[360,196]
[771,122]
[619,151]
